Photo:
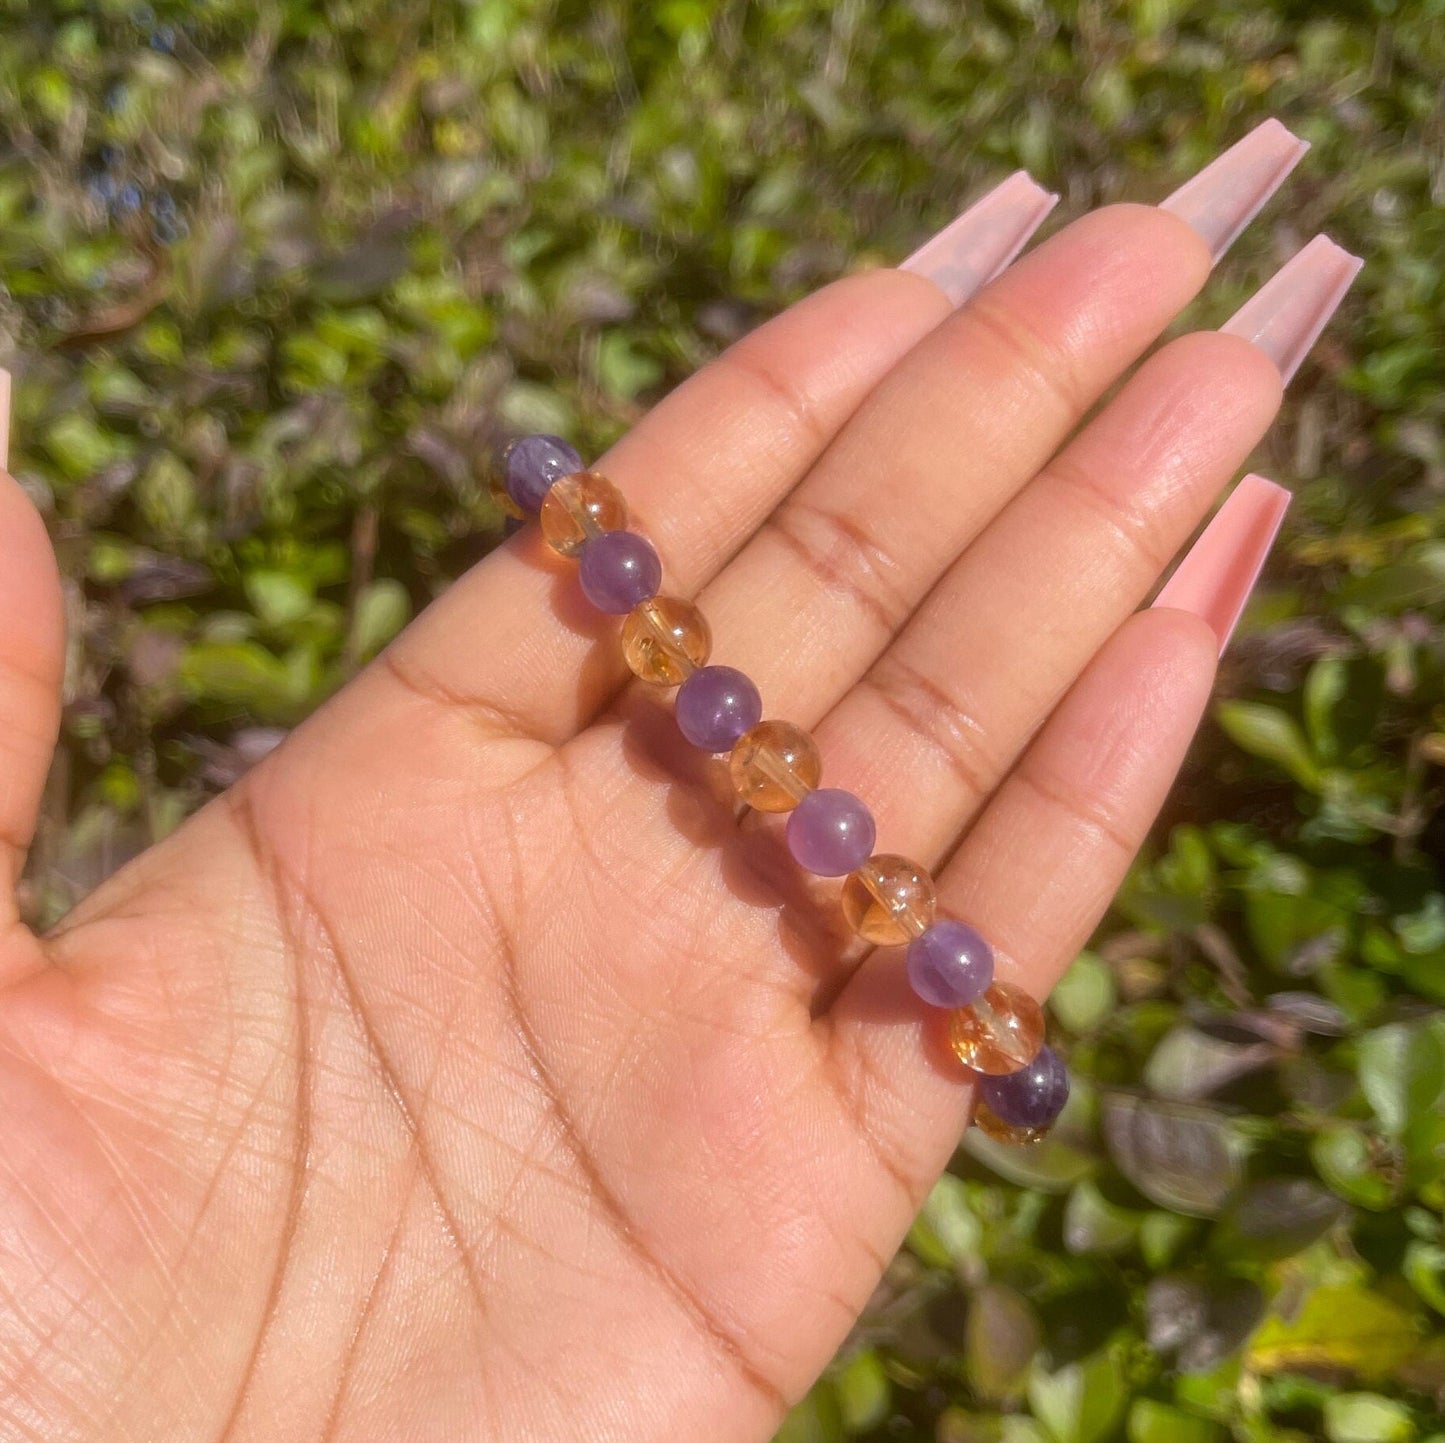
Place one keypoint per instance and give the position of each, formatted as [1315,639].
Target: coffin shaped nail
[1232,189]
[1286,314]
[1219,571]
[970,251]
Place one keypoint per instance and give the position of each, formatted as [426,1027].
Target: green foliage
[281,274]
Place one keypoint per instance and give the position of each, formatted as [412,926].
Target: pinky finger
[1041,865]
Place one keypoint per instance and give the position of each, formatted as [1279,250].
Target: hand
[467,1071]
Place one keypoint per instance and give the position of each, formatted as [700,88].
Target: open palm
[469,1071]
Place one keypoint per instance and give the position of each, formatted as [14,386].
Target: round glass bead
[502,499]
[715,706]
[618,570]
[579,507]
[950,965]
[830,832]
[1001,1032]
[532,464]
[888,899]
[774,765]
[991,1125]
[1032,1097]
[665,639]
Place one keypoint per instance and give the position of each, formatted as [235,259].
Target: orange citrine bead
[579,507]
[665,639]
[988,1122]
[888,899]
[774,765]
[999,1033]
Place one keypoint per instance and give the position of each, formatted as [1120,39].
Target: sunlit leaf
[1180,1157]
[1367,1418]
[1344,1327]
[1082,1401]
[1267,732]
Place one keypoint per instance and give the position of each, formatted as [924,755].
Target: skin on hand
[465,1071]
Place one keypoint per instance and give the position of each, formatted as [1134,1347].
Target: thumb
[31,661]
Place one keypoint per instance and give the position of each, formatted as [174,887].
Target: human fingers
[1047,855]
[699,473]
[936,724]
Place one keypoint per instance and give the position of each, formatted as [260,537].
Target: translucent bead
[999,1033]
[502,499]
[888,899]
[715,706]
[774,765]
[664,639]
[991,1125]
[579,507]
[950,965]
[830,832]
[1031,1098]
[532,464]
[618,570]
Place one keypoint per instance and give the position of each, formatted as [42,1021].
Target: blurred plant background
[278,276]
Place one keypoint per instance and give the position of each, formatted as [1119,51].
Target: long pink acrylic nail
[970,251]
[1219,571]
[1232,189]
[1286,314]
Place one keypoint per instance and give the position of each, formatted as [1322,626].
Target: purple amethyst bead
[1033,1096]
[949,964]
[618,570]
[533,464]
[830,832]
[715,706]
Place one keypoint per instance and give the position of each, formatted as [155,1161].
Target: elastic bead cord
[994,1028]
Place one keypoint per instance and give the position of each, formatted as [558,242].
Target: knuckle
[939,719]
[844,558]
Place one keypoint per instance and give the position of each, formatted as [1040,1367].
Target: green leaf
[1325,686]
[1402,1070]
[1154,1422]
[1092,1224]
[1345,1158]
[1270,734]
[1161,1235]
[1424,1267]
[1003,1336]
[951,1220]
[623,370]
[1275,1217]
[1085,996]
[1343,1327]
[243,674]
[864,1392]
[1367,1418]
[1416,579]
[381,612]
[81,448]
[1081,1401]
[817,1419]
[278,597]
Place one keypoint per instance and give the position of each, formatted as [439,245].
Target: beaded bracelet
[995,1029]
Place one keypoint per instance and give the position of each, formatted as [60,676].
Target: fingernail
[1286,314]
[4,419]
[1219,571]
[970,251]
[1232,189]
